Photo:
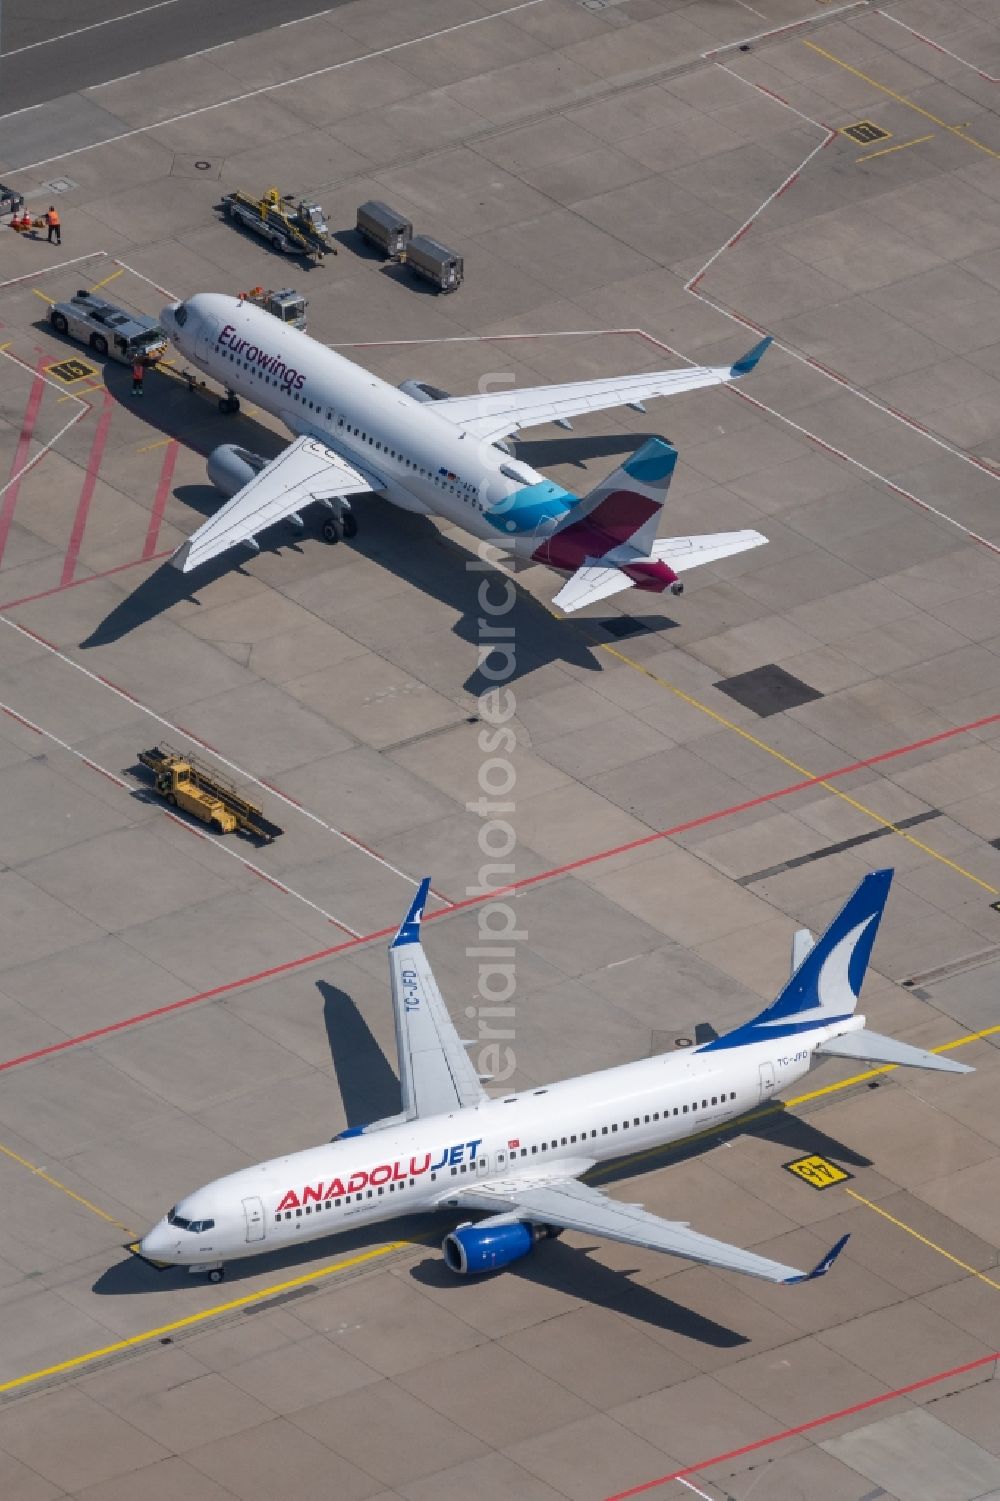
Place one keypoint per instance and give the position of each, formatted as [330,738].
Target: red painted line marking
[89,485]
[190,1000]
[827,1417]
[737,237]
[786,185]
[21,452]
[117,688]
[160,499]
[272,788]
[183,824]
[27,599]
[35,636]
[355,942]
[272,882]
[198,739]
[109,774]
[26,722]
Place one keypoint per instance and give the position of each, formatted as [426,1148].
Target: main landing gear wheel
[229,404]
[349,524]
[217,1274]
[332,531]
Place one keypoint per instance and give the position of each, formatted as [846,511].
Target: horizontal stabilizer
[681,553]
[875,1048]
[590,583]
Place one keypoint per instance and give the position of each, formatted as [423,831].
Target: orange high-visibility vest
[52,218]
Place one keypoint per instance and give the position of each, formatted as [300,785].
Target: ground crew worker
[138,371]
[55,227]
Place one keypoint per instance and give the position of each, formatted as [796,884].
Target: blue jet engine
[487,1248]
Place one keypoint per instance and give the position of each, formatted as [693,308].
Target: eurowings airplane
[436,454]
[519,1160]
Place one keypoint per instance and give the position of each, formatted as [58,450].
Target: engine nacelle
[487,1248]
[230,468]
[422,390]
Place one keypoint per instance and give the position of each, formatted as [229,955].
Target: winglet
[409,929]
[179,558]
[822,1267]
[751,359]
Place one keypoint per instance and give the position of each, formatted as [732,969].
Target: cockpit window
[196,1227]
[180,315]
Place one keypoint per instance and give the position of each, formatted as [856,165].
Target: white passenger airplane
[436,454]
[520,1158]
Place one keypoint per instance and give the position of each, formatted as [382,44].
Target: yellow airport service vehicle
[191,786]
[301,230]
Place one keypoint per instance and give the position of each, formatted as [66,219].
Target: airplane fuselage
[427,1164]
[418,459]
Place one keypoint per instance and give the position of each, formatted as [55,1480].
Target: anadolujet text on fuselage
[436,454]
[520,1159]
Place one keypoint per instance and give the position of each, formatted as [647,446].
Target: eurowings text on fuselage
[414,457]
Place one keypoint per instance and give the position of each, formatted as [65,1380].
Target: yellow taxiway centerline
[99,284]
[902,1225]
[956,130]
[39,1172]
[307,1278]
[202,1316]
[888,150]
[802,771]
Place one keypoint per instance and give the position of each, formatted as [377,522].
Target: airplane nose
[159,1243]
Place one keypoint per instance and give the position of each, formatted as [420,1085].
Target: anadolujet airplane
[519,1159]
[437,454]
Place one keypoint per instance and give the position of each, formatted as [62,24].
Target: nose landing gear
[213,1270]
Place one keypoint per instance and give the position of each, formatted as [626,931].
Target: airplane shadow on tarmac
[412,548]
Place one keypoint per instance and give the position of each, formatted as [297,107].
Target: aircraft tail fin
[826,983]
[626,506]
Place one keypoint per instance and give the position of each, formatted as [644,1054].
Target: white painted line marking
[47,270]
[271,88]
[208,838]
[64,36]
[176,729]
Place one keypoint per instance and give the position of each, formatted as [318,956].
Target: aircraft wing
[497,414]
[306,470]
[435,1073]
[571,1205]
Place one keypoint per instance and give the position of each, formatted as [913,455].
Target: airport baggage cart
[382,227]
[435,263]
[189,784]
[294,230]
[11,201]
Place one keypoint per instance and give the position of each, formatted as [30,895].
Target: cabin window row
[482,1164]
[637,1120]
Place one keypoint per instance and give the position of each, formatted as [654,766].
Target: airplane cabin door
[766,1081]
[253,1211]
[499,1161]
